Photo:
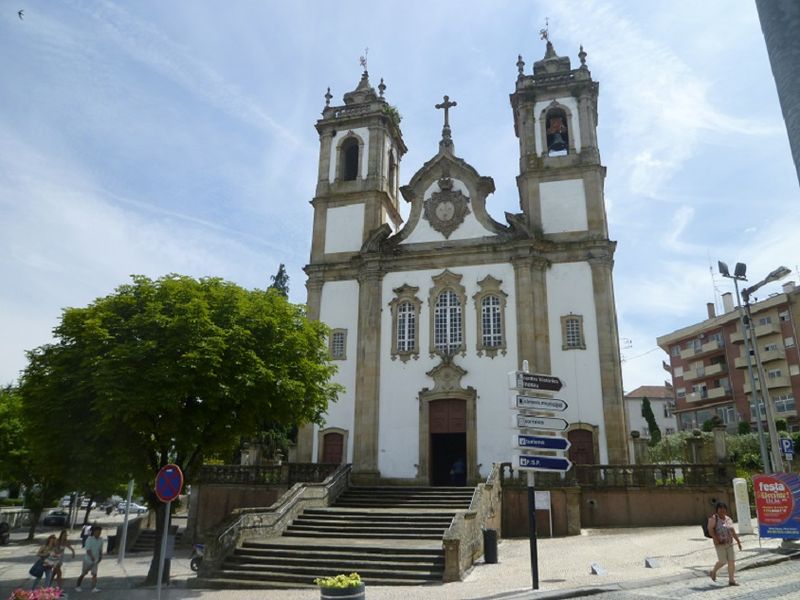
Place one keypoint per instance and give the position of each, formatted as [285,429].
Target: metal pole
[162,558]
[754,399]
[775,445]
[532,522]
[124,541]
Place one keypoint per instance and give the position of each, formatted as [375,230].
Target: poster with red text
[778,505]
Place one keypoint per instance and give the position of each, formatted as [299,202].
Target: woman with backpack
[720,526]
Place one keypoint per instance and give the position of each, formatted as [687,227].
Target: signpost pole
[532,521]
[162,557]
[124,541]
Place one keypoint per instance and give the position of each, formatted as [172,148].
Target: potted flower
[341,586]
[48,593]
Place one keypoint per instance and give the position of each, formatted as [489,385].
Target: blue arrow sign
[534,462]
[542,442]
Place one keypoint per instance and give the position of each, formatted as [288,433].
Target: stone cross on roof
[446,105]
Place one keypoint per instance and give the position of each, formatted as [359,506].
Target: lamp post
[739,275]
[777,461]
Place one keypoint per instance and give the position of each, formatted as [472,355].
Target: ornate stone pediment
[446,377]
[446,209]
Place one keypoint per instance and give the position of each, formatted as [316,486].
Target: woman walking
[44,563]
[58,556]
[721,529]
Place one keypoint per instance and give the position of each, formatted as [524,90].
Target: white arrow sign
[529,422]
[534,403]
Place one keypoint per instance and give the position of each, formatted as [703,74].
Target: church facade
[428,316]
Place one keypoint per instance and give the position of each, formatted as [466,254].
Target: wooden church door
[332,448]
[448,449]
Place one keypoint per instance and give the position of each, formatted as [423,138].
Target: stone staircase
[145,542]
[389,535]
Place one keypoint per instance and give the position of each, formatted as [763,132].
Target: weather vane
[545,33]
[362,60]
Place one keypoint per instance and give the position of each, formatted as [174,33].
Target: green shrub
[339,581]
[744,427]
[10,501]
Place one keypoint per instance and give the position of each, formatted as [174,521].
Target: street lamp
[750,334]
[739,275]
[775,275]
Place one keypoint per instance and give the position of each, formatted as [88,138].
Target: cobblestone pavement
[772,582]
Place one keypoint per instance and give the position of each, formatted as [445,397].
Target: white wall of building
[574,123]
[401,381]
[563,206]
[363,133]
[570,290]
[339,310]
[343,228]
[636,421]
[471,228]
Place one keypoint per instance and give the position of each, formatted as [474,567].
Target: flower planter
[356,592]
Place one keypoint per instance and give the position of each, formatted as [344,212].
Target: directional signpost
[169,483]
[530,404]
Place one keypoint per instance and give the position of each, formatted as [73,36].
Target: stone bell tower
[561,196]
[357,186]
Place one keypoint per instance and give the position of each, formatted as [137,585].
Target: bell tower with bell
[555,119]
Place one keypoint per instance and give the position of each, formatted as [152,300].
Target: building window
[773,373]
[785,403]
[669,430]
[348,158]
[788,342]
[680,392]
[784,316]
[572,333]
[676,350]
[771,347]
[765,320]
[490,307]
[405,307]
[447,299]
[337,344]
[678,372]
[667,410]
[794,370]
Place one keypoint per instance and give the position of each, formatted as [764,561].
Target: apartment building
[708,362]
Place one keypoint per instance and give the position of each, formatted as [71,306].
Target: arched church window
[447,323]
[557,133]
[405,309]
[447,299]
[349,158]
[490,306]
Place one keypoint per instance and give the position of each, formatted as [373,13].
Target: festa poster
[778,505]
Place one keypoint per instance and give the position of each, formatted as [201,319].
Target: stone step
[358,560]
[334,529]
[337,564]
[371,536]
[308,574]
[329,549]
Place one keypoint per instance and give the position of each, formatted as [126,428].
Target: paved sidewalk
[564,566]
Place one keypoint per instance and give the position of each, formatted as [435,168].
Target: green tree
[744,427]
[650,418]
[280,281]
[20,466]
[781,425]
[175,369]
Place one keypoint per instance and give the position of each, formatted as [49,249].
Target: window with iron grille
[405,307]
[447,322]
[338,344]
[572,333]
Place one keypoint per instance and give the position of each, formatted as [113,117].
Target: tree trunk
[161,513]
[36,514]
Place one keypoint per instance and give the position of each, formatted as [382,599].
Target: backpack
[704,525]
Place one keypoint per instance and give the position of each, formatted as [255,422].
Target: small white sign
[541,500]
[519,421]
[536,403]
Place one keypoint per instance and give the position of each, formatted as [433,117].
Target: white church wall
[401,381]
[471,228]
[570,290]
[563,206]
[339,310]
[575,124]
[363,133]
[343,226]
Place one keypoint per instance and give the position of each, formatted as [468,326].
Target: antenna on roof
[714,288]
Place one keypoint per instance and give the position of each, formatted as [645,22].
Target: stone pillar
[611,371]
[533,337]
[367,392]
[305,434]
[720,447]
[641,450]
[695,447]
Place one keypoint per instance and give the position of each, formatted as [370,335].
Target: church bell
[556,142]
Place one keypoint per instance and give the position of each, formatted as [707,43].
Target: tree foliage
[172,370]
[280,281]
[652,424]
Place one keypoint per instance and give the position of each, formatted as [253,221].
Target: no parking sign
[169,483]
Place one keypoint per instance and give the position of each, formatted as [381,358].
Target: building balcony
[772,382]
[704,371]
[709,347]
[766,356]
[715,393]
[761,330]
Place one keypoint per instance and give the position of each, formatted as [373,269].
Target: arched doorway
[448,442]
[332,446]
[582,450]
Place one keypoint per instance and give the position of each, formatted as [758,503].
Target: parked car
[122,508]
[56,518]
[66,501]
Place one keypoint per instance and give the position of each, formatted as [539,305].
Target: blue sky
[159,137]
